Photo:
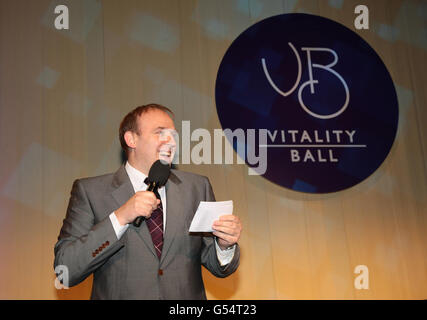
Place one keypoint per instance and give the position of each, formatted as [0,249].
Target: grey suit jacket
[129,268]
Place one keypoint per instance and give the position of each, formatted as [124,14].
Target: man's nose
[168,137]
[167,140]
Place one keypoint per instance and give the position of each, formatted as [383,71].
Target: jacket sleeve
[83,244]
[209,256]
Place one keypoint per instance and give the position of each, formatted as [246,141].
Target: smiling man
[160,259]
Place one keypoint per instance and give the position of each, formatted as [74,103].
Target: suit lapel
[123,191]
[173,212]
[122,187]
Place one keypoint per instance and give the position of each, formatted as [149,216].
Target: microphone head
[159,173]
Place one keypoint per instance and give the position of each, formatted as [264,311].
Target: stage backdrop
[64,92]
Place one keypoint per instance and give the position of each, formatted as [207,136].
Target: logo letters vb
[311,80]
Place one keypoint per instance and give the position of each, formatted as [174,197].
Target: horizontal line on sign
[313,145]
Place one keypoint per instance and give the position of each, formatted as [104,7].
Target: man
[160,259]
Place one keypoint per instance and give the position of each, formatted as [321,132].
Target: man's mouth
[166,154]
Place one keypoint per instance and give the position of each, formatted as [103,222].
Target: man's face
[156,139]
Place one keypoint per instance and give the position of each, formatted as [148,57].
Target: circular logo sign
[320,101]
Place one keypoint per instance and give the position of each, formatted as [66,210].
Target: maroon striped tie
[155,226]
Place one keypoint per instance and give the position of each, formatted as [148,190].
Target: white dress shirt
[137,179]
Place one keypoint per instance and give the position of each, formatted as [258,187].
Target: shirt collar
[136,178]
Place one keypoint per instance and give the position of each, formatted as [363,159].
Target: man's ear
[129,138]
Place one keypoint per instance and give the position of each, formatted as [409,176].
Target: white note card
[208,212]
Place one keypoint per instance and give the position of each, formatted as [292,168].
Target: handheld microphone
[157,178]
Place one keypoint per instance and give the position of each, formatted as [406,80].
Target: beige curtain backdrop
[64,92]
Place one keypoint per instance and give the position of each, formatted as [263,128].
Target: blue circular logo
[313,98]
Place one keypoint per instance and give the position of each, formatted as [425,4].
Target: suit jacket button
[107,243]
[160,272]
[93,254]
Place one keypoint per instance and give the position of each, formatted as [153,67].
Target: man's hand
[227,229]
[141,204]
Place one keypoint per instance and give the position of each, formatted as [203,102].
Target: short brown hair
[129,122]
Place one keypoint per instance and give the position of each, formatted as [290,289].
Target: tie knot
[146,181]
